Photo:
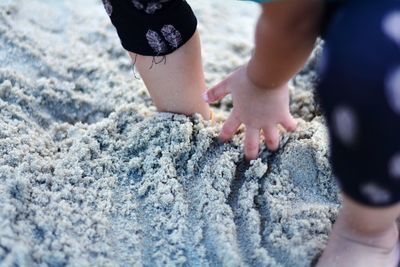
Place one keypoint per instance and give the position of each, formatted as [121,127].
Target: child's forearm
[285,36]
[177,85]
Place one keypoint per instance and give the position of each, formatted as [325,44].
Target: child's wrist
[258,79]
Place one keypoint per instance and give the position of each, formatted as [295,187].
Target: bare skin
[363,236]
[269,108]
[284,41]
[285,35]
[178,85]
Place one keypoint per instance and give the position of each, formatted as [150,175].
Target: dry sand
[91,176]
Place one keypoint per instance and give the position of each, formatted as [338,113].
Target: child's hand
[257,108]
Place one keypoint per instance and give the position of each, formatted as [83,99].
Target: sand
[91,175]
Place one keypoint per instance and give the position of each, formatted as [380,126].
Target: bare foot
[347,249]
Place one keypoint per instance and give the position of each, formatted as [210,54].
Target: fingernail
[205,96]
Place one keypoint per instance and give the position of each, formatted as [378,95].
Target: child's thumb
[217,92]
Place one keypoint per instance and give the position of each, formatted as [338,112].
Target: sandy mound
[91,176]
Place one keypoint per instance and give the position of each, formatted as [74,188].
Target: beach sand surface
[91,175]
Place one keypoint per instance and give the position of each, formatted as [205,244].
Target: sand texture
[90,175]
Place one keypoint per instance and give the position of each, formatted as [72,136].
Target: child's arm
[285,36]
[176,86]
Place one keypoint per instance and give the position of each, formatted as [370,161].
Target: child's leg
[164,45]
[363,236]
[360,95]
[177,85]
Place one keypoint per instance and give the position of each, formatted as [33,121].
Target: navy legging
[359,90]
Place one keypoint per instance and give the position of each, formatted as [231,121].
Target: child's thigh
[359,90]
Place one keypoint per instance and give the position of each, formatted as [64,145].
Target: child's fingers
[230,127]
[251,143]
[289,123]
[217,92]
[271,137]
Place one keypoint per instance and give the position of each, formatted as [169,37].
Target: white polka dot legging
[359,90]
